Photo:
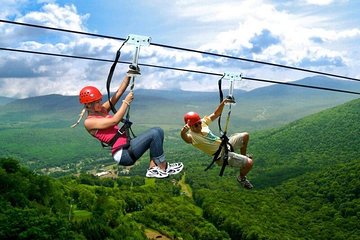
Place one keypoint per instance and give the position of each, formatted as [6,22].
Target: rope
[181,69]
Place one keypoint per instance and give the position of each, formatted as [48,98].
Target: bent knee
[249,162]
[157,131]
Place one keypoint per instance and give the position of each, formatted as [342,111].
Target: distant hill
[280,104]
[317,81]
[5,100]
[258,109]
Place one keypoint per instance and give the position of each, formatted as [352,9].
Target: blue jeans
[153,140]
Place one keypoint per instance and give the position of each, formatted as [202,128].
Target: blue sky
[321,35]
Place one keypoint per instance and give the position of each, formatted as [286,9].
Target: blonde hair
[81,115]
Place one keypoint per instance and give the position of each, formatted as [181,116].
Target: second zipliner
[223,149]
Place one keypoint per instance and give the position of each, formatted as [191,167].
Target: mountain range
[260,108]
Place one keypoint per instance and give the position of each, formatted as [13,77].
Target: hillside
[326,138]
[306,178]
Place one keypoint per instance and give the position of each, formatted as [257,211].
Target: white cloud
[319,2]
[52,15]
[11,8]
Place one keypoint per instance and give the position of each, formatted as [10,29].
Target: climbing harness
[137,41]
[225,146]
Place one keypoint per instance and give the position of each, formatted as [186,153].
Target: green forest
[306,179]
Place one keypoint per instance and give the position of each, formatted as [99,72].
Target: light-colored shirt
[206,141]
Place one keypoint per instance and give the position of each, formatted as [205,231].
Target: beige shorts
[235,160]
[236,140]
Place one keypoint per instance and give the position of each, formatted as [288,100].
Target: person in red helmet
[197,132]
[103,126]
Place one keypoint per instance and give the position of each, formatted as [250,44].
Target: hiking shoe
[244,182]
[174,168]
[156,172]
[133,70]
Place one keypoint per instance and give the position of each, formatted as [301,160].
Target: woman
[103,126]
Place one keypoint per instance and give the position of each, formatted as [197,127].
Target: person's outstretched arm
[115,98]
[219,109]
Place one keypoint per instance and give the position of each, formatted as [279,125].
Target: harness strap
[124,129]
[114,139]
[127,128]
[111,73]
[226,156]
[221,95]
[226,146]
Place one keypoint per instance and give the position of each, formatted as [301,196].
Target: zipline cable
[62,30]
[178,69]
[185,49]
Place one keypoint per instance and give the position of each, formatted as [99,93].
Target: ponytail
[80,117]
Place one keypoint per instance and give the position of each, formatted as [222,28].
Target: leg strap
[226,146]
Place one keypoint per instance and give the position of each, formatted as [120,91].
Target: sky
[320,35]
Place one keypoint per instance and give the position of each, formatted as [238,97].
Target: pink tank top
[105,135]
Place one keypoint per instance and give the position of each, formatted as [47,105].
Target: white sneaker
[156,172]
[174,168]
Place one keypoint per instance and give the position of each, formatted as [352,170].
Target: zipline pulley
[137,41]
[232,77]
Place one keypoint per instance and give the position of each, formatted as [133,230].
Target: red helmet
[191,118]
[89,94]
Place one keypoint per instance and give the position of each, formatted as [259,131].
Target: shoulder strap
[221,95]
[111,73]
